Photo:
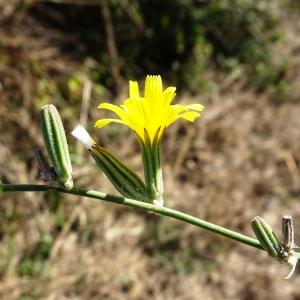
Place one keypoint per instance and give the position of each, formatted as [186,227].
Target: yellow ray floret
[152,113]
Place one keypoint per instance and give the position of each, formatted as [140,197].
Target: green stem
[137,204]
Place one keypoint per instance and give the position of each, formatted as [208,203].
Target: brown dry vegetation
[238,161]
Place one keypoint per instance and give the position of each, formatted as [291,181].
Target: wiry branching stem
[138,204]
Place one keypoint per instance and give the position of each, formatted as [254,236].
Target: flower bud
[126,181]
[266,237]
[56,144]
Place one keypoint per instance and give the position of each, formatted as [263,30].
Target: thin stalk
[172,213]
[137,204]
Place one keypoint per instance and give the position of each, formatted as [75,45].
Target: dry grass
[240,160]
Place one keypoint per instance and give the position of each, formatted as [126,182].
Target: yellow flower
[152,113]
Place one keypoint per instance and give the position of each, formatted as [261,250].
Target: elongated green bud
[56,144]
[126,181]
[266,237]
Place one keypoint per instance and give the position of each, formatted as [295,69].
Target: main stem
[137,204]
[172,213]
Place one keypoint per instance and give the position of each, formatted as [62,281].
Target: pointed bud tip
[83,136]
[256,218]
[47,106]
[68,184]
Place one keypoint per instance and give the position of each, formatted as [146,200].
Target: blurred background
[239,58]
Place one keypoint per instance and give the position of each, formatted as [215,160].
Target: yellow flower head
[150,114]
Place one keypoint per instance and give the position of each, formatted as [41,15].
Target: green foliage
[46,91]
[172,254]
[188,37]
[7,257]
[33,264]
[59,220]
[32,295]
[183,40]
[87,234]
[53,200]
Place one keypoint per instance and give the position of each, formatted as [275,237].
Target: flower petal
[134,109]
[196,106]
[153,112]
[169,94]
[134,89]
[172,114]
[189,115]
[153,88]
[114,108]
[103,122]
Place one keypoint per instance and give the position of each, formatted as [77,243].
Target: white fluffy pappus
[83,136]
